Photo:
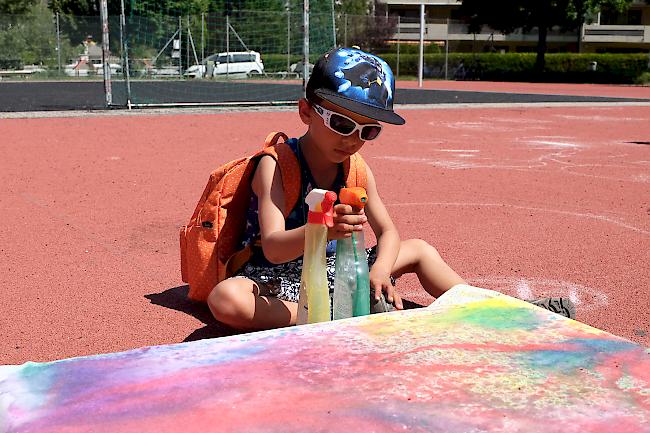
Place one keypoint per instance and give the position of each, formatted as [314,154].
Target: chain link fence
[254,56]
[212,58]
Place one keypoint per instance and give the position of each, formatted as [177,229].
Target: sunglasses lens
[370,132]
[341,125]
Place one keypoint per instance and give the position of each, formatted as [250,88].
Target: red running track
[530,201]
[605,90]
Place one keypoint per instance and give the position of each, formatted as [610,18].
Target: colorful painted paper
[475,361]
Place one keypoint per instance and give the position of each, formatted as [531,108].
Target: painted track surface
[533,202]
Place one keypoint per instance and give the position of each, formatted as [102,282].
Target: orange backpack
[211,242]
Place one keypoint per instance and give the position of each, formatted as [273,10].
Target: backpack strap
[289,167]
[354,171]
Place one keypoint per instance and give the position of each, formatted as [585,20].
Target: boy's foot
[562,306]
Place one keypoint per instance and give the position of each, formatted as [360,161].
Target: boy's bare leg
[417,256]
[237,302]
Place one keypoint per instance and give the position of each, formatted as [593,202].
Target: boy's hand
[380,281]
[346,221]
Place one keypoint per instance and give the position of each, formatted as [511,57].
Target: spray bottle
[352,283]
[314,297]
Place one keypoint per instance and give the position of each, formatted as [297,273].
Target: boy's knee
[225,300]
[425,249]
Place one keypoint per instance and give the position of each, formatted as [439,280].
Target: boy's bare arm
[279,245]
[388,240]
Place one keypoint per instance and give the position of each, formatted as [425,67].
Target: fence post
[124,46]
[227,46]
[288,40]
[180,46]
[421,62]
[58,43]
[447,52]
[108,91]
[333,25]
[202,37]
[399,40]
[187,43]
[305,54]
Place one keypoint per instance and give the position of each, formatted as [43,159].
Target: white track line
[596,217]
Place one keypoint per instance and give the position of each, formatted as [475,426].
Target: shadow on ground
[176,299]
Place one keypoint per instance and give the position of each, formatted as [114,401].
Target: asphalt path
[89,95]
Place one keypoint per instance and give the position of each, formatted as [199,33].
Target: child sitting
[348,94]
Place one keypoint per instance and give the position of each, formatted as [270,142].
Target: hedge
[560,67]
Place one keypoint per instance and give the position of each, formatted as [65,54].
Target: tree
[366,25]
[85,7]
[16,7]
[31,39]
[508,15]
[578,10]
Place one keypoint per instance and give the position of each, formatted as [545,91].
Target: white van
[236,64]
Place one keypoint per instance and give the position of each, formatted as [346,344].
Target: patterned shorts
[283,280]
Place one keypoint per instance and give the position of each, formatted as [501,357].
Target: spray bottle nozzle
[355,197]
[321,207]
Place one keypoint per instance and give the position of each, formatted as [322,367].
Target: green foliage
[168,7]
[561,67]
[509,15]
[31,39]
[352,7]
[278,62]
[643,79]
[16,6]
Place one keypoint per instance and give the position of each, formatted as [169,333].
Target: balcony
[457,31]
[437,31]
[617,34]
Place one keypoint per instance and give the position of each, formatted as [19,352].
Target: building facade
[607,31]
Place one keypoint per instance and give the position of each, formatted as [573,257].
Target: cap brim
[369,111]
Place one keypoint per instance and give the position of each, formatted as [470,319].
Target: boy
[348,94]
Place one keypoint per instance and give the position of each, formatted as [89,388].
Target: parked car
[237,64]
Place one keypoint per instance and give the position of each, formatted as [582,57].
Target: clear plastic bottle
[314,297]
[352,282]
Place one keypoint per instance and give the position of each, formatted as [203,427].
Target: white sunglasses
[345,126]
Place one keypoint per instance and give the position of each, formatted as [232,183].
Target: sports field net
[249,56]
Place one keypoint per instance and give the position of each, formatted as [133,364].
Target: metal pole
[180,47]
[227,46]
[421,62]
[58,43]
[345,30]
[106,54]
[187,44]
[447,52]
[305,54]
[333,26]
[288,40]
[125,55]
[202,37]
[399,40]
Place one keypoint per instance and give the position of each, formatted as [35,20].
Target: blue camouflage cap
[357,81]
